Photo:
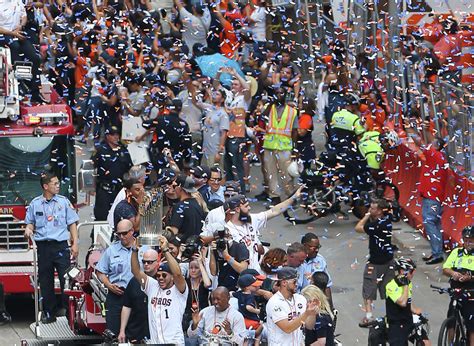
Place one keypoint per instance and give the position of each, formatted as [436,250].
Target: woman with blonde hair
[322,331]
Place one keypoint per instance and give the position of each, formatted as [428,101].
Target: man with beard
[281,134]
[135,304]
[245,227]
[220,319]
[128,208]
[287,311]
[167,295]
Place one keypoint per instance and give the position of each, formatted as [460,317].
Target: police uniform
[399,318]
[372,152]
[111,165]
[345,127]
[460,260]
[51,220]
[115,262]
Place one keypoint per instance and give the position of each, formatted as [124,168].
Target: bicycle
[378,331]
[453,329]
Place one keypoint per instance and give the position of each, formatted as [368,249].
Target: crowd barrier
[403,166]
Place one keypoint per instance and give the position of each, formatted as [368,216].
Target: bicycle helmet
[405,264]
[352,99]
[391,139]
[468,232]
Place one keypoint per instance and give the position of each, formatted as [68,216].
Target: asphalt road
[345,251]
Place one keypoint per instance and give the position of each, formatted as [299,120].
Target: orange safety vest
[278,135]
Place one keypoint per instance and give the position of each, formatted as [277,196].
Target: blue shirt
[218,195]
[115,262]
[310,266]
[51,218]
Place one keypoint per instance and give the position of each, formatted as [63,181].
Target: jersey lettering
[161,301]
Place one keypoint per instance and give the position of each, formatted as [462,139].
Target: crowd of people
[214,96]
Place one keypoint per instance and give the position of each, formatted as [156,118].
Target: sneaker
[435,261]
[46,319]
[427,258]
[5,318]
[263,196]
[366,322]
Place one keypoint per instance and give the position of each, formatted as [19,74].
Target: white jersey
[165,313]
[278,309]
[249,234]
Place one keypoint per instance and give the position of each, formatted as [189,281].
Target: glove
[402,280]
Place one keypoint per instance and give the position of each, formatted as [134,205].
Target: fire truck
[33,138]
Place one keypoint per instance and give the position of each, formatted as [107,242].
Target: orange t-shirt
[305,121]
[229,40]
[374,118]
[80,72]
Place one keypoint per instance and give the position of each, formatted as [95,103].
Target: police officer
[112,161]
[373,144]
[114,272]
[48,218]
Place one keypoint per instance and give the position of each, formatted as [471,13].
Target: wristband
[231,261]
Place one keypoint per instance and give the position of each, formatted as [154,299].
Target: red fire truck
[33,138]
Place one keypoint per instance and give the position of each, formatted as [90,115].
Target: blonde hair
[312,292]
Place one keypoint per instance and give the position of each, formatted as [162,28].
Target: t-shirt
[123,210]
[215,122]
[190,113]
[433,175]
[249,234]
[213,218]
[380,240]
[258,28]
[244,300]
[165,313]
[195,28]
[136,299]
[227,275]
[188,217]
[323,328]
[279,309]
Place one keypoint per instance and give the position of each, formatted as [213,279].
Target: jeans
[234,160]
[432,211]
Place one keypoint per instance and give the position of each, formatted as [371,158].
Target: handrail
[35,283]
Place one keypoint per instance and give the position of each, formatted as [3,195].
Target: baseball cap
[247,280]
[166,176]
[164,267]
[186,183]
[254,273]
[232,188]
[201,172]
[234,201]
[112,130]
[287,273]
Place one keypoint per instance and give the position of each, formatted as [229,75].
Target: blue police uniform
[51,220]
[311,266]
[115,262]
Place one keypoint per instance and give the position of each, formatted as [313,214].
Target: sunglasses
[121,234]
[163,275]
[148,262]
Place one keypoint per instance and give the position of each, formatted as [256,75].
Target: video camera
[192,246]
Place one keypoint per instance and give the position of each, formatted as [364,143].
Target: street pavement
[344,249]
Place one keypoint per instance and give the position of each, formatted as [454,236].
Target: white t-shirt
[214,217]
[249,234]
[278,309]
[190,113]
[120,197]
[11,13]
[211,322]
[195,28]
[258,28]
[235,100]
[165,313]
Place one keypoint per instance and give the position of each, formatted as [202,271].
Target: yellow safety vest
[348,121]
[278,134]
[372,152]
[370,136]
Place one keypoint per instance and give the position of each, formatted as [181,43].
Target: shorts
[376,276]
[251,324]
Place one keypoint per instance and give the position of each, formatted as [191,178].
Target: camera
[221,242]
[192,247]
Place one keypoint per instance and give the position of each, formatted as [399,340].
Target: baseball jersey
[165,313]
[278,309]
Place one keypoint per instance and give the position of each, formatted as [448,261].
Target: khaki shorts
[376,276]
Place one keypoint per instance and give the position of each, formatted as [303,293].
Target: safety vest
[278,135]
[370,136]
[372,152]
[348,121]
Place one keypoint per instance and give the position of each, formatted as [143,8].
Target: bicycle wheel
[443,338]
[460,335]
[299,214]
